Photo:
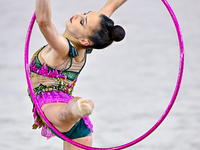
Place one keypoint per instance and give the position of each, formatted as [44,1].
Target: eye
[85,13]
[81,22]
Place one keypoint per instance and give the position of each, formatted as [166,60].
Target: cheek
[80,32]
[74,30]
[77,30]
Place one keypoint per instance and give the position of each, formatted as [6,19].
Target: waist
[68,89]
[42,83]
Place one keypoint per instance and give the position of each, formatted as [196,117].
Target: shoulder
[55,56]
[61,49]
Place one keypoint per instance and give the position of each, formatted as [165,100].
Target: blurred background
[130,82]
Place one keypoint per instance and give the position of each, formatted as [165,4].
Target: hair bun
[118,33]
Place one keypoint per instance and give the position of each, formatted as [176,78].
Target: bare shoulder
[55,57]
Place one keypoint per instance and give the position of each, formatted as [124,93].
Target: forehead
[93,13]
[93,19]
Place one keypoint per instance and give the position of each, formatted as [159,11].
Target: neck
[81,50]
[74,41]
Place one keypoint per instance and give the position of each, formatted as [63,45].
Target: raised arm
[43,18]
[110,7]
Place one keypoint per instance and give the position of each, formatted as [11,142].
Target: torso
[70,66]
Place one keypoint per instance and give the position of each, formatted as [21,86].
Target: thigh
[52,112]
[84,141]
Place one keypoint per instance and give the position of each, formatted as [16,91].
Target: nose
[76,16]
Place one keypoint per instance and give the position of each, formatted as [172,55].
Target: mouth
[71,19]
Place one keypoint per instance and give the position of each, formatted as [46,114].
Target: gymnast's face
[83,25]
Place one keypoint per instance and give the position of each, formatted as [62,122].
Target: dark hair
[106,33]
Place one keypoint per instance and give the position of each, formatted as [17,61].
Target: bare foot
[82,108]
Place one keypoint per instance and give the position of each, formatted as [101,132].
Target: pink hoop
[144,135]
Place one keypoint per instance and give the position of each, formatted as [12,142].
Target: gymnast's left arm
[110,7]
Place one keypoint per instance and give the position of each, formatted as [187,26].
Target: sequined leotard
[52,84]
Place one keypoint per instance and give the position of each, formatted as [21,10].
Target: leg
[84,141]
[64,115]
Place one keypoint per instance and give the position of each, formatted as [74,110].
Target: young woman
[55,67]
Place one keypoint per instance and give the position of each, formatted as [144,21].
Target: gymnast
[55,67]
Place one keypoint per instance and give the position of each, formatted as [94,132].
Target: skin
[78,28]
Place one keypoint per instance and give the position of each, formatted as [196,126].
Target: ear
[84,42]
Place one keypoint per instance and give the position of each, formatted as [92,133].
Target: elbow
[42,21]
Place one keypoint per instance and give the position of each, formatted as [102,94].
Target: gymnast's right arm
[43,18]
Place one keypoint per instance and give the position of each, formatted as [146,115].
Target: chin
[67,22]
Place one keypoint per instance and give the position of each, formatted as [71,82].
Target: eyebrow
[86,17]
[86,20]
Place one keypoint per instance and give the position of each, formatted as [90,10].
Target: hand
[111,6]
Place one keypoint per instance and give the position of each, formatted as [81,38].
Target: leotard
[53,84]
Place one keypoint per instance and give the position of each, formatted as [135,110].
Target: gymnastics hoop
[149,131]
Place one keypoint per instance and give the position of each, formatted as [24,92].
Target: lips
[71,19]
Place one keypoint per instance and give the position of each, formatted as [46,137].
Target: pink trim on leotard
[53,97]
